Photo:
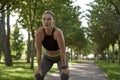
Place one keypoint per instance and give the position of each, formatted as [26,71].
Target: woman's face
[47,20]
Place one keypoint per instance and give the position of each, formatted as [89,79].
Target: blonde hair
[51,13]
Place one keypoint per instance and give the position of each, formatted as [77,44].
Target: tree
[5,37]
[30,14]
[116,5]
[67,18]
[17,43]
[103,25]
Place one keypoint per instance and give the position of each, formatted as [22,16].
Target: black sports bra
[49,42]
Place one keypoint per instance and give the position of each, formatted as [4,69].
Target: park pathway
[82,71]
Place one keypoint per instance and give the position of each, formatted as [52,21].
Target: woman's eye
[49,19]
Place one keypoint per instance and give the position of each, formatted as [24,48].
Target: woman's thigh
[46,65]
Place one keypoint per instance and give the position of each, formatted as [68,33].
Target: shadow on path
[82,71]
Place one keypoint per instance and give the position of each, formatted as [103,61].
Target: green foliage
[17,43]
[103,24]
[90,48]
[67,18]
[111,69]
[75,61]
[77,39]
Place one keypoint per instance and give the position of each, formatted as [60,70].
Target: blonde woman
[52,39]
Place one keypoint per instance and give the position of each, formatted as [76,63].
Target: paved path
[82,71]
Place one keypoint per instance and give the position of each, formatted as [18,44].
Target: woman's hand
[66,71]
[38,71]
[65,74]
[38,75]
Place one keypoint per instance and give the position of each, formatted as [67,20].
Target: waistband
[52,59]
[51,55]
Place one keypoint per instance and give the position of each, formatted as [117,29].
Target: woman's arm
[61,44]
[38,44]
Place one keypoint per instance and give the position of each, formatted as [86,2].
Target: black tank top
[49,42]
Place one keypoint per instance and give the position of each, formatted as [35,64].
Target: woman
[51,38]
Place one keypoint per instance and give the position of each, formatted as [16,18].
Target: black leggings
[47,63]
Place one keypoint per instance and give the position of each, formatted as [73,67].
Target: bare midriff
[53,53]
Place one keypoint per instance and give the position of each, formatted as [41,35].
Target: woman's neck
[48,31]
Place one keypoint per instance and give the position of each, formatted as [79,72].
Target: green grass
[74,62]
[21,70]
[111,69]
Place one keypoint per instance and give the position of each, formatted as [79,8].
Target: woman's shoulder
[40,31]
[58,30]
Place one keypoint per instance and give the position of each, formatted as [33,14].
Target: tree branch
[115,6]
[1,11]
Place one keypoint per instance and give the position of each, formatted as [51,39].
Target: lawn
[111,69]
[21,70]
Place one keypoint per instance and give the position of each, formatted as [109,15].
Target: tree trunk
[28,48]
[8,51]
[0,36]
[108,55]
[32,55]
[5,39]
[113,53]
[71,55]
[119,52]
[103,55]
[3,34]
[32,20]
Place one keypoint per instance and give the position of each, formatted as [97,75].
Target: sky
[81,3]
[84,7]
